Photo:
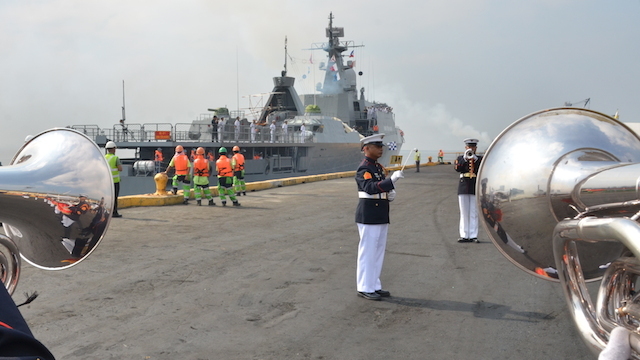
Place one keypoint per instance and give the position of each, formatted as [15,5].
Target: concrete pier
[275,279]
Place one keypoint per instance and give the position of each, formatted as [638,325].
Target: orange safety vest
[181,162]
[159,156]
[224,166]
[201,166]
[239,158]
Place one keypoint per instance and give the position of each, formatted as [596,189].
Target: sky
[451,69]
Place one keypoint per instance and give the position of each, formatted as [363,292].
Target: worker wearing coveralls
[237,161]
[225,178]
[375,192]
[180,161]
[201,172]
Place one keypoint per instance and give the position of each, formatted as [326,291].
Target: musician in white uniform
[375,191]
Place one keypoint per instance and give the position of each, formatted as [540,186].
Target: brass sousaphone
[558,191]
[55,204]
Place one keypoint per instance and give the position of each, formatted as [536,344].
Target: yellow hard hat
[200,151]
[179,148]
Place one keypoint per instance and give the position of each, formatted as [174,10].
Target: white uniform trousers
[468,216]
[373,241]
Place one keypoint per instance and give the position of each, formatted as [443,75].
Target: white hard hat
[110,145]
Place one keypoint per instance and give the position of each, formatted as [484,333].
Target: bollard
[161,183]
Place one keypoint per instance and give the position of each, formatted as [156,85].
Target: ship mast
[284,73]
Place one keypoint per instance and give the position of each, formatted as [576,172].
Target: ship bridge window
[356,106]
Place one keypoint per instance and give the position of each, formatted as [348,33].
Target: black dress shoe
[116,215]
[383,293]
[369,296]
[463,240]
[475,240]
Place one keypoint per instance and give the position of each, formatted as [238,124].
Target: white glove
[391,195]
[618,346]
[397,175]
[475,158]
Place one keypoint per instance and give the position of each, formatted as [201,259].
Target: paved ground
[275,279]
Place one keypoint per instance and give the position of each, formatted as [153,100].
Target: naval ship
[323,130]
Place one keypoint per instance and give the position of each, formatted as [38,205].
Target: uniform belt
[468,175]
[364,195]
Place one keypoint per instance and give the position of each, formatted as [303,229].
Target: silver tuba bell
[568,212]
[55,204]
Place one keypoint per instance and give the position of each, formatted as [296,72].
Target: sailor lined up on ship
[285,131]
[236,129]
[221,124]
[253,130]
[214,128]
[302,132]
[272,131]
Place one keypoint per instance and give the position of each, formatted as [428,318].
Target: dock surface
[275,279]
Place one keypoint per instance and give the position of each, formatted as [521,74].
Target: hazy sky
[450,68]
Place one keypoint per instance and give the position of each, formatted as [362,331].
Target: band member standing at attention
[467,165]
[375,191]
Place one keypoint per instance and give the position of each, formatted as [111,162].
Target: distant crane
[585,101]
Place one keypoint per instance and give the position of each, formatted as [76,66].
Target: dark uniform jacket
[370,178]
[16,340]
[467,185]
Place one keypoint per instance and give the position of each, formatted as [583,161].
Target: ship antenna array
[125,130]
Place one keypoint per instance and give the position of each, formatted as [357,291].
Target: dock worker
[180,162]
[375,192]
[467,165]
[116,167]
[416,157]
[158,158]
[201,172]
[237,162]
[225,178]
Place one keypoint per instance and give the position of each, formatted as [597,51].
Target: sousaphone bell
[55,204]
[558,191]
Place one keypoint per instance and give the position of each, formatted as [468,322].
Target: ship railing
[157,132]
[127,133]
[90,130]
